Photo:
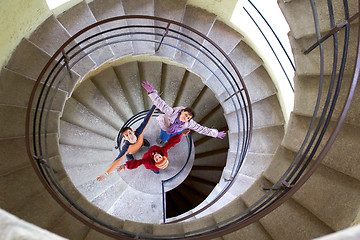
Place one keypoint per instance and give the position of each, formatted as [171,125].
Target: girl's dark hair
[190,110]
[124,130]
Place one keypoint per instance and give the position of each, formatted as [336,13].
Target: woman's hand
[221,134]
[148,87]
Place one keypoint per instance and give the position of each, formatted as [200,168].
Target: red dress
[147,160]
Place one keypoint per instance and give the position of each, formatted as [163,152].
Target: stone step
[165,229]
[173,10]
[200,20]
[200,223]
[80,174]
[298,126]
[138,206]
[42,202]
[89,96]
[55,164]
[171,79]
[13,125]
[281,222]
[129,77]
[215,119]
[95,235]
[137,227]
[26,183]
[203,187]
[152,72]
[266,113]
[77,114]
[73,135]
[205,103]
[69,227]
[211,144]
[323,185]
[305,97]
[104,9]
[211,176]
[107,198]
[77,155]
[108,84]
[13,148]
[223,201]
[310,64]
[258,84]
[216,34]
[27,52]
[51,35]
[83,17]
[254,164]
[295,10]
[9,87]
[189,90]
[140,7]
[253,231]
[244,58]
[266,139]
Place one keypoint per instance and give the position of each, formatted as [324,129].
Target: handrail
[281,191]
[267,41]
[57,73]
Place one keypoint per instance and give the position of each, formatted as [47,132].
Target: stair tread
[37,59]
[216,34]
[173,10]
[89,96]
[141,7]
[77,136]
[266,113]
[128,75]
[200,20]
[51,35]
[103,9]
[77,114]
[295,10]
[82,16]
[281,222]
[138,206]
[9,82]
[12,123]
[305,99]
[348,134]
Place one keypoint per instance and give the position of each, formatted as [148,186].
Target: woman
[177,119]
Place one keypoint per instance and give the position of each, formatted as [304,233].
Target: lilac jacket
[170,114]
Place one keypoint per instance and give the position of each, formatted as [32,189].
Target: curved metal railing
[276,54]
[292,179]
[58,74]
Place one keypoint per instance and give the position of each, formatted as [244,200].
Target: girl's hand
[121,167]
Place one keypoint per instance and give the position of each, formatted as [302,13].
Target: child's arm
[115,163]
[158,102]
[147,118]
[132,164]
[175,140]
[211,132]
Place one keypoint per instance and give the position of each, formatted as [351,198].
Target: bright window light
[55,3]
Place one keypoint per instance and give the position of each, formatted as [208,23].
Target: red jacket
[148,160]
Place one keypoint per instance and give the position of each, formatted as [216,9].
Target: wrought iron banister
[293,178]
[56,77]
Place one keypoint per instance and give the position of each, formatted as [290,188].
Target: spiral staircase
[91,106]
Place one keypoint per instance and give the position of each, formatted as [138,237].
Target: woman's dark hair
[191,111]
[124,130]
